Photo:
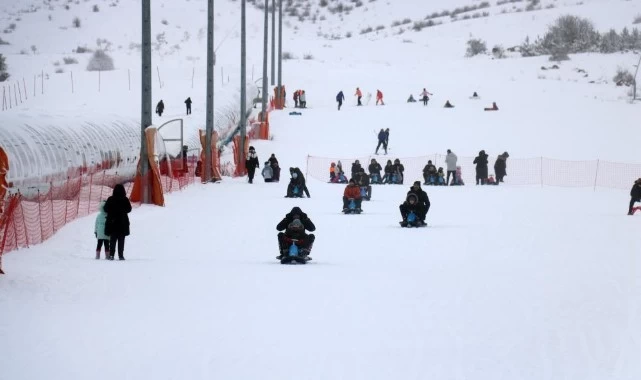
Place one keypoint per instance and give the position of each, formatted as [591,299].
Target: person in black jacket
[273,162]
[375,171]
[500,167]
[160,107]
[356,168]
[188,104]
[302,181]
[399,169]
[481,168]
[117,225]
[295,223]
[251,163]
[421,207]
[635,195]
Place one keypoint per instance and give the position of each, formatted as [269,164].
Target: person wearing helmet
[294,224]
[417,201]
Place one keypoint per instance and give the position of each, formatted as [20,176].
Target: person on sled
[420,206]
[352,192]
[294,224]
[375,172]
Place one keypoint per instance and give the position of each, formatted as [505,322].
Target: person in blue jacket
[340,98]
[99,231]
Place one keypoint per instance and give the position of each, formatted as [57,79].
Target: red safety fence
[520,171]
[30,219]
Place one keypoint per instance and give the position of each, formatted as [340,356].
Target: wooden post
[98,80]
[71,72]
[193,72]
[159,81]
[19,92]
[10,103]
[43,81]
[24,85]
[34,86]
[15,94]
[129,78]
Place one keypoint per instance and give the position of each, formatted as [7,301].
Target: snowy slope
[507,282]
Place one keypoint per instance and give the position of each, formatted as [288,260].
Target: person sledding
[352,198]
[415,208]
[379,97]
[296,185]
[363,181]
[375,172]
[294,224]
[493,108]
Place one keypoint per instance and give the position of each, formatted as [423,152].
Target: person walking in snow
[500,167]
[635,195]
[340,98]
[450,160]
[302,99]
[359,96]
[117,224]
[382,140]
[273,162]
[379,97]
[188,104]
[296,97]
[251,163]
[481,168]
[424,96]
[268,172]
[160,107]
[99,231]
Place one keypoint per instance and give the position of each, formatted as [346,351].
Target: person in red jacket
[379,97]
[352,191]
[359,96]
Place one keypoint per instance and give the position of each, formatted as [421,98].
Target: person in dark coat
[382,140]
[296,231]
[635,195]
[420,208]
[117,225]
[188,104]
[273,162]
[251,163]
[389,171]
[160,107]
[302,181]
[500,167]
[294,182]
[356,168]
[375,171]
[429,173]
[340,98]
[399,169]
[481,168]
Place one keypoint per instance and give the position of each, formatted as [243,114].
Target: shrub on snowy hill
[475,47]
[637,19]
[3,42]
[623,77]
[3,69]
[100,61]
[76,22]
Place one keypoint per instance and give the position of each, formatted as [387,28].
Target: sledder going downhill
[294,244]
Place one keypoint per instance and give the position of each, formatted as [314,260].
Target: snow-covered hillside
[507,282]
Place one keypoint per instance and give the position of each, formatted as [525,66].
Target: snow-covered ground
[506,283]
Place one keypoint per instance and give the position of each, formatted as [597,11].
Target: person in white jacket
[451,160]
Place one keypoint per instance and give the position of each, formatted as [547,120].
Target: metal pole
[71,72]
[634,94]
[265,53]
[273,76]
[145,107]
[243,80]
[280,53]
[209,119]
[24,85]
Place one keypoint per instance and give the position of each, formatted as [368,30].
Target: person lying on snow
[295,223]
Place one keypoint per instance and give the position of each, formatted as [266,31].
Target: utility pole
[265,45]
[272,78]
[243,85]
[209,118]
[280,53]
[145,106]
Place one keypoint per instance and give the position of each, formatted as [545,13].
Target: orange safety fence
[520,171]
[30,219]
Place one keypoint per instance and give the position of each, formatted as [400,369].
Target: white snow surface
[507,282]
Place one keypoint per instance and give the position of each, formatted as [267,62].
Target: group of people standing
[500,168]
